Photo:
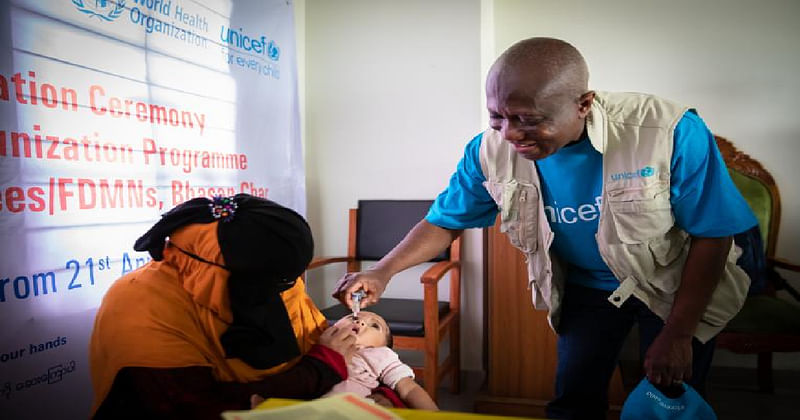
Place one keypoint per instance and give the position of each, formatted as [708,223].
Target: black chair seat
[404,316]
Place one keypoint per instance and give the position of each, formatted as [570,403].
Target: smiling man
[622,206]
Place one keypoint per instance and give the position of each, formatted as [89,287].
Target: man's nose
[511,132]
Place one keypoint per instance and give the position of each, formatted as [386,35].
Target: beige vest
[636,236]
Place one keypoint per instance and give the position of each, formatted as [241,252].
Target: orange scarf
[171,313]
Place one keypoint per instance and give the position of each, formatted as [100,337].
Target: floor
[731,392]
[733,395]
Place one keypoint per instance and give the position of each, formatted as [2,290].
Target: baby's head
[371,330]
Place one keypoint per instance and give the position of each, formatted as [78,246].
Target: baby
[375,363]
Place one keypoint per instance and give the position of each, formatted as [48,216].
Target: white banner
[111,113]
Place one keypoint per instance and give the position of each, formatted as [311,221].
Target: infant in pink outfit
[370,367]
[375,363]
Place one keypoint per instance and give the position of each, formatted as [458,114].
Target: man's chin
[535,156]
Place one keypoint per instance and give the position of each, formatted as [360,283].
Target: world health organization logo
[107,10]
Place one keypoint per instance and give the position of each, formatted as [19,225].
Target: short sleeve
[704,199]
[388,365]
[465,203]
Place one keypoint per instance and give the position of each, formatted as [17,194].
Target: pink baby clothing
[370,367]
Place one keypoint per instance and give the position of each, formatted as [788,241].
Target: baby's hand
[340,340]
[381,399]
[255,400]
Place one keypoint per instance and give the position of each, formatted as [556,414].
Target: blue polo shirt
[704,200]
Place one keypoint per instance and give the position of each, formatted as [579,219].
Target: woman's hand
[340,340]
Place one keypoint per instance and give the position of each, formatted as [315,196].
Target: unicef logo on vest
[107,10]
[645,172]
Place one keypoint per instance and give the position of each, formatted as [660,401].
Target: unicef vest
[636,236]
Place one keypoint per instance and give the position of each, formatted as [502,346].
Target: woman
[219,314]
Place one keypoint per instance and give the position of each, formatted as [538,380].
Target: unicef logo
[273,52]
[647,171]
[107,10]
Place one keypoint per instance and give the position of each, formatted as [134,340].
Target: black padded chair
[376,226]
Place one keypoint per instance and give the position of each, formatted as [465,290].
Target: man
[623,208]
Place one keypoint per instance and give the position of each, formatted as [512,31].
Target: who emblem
[107,10]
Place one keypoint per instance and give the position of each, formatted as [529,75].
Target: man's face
[370,329]
[529,113]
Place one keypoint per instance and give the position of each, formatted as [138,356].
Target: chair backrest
[757,187]
[382,224]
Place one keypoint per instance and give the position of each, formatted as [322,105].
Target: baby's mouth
[355,329]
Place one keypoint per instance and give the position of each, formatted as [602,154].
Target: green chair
[766,323]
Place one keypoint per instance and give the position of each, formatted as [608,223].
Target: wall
[391,100]
[736,61]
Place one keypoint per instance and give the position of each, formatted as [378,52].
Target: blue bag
[646,402]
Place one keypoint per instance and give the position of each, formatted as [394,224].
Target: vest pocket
[725,303]
[668,248]
[641,214]
[730,294]
[518,204]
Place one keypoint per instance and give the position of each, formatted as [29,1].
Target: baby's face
[370,329]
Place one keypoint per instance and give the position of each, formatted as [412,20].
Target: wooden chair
[766,323]
[376,226]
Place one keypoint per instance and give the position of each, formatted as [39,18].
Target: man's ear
[585,103]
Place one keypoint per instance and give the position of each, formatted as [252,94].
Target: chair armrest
[781,263]
[435,273]
[319,262]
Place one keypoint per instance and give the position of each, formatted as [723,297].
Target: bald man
[622,206]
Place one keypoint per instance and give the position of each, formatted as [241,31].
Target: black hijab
[265,247]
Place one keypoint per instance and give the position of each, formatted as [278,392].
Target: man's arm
[464,204]
[422,243]
[669,358]
[707,204]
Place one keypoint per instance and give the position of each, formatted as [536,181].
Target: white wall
[736,61]
[391,99]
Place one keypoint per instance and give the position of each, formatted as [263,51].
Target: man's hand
[422,243]
[669,359]
[372,282]
[340,340]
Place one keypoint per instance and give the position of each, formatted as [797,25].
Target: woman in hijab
[218,315]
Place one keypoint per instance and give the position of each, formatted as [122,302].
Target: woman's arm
[193,392]
[414,395]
